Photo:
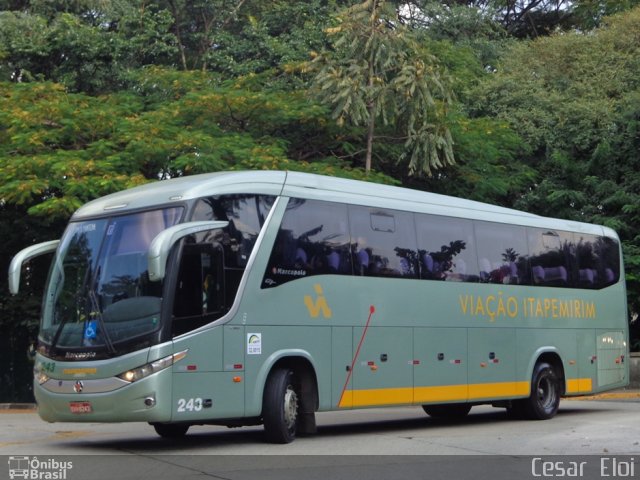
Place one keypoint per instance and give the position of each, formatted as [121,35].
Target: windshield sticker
[91,329]
[86,227]
[111,229]
[254,344]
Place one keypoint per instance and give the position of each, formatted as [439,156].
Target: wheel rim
[547,394]
[290,408]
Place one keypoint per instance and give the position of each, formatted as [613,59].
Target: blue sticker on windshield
[91,330]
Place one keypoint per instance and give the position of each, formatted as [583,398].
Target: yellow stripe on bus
[579,385]
[447,393]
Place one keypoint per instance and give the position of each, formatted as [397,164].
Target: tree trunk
[370,131]
[176,18]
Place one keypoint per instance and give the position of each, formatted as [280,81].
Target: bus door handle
[383,357]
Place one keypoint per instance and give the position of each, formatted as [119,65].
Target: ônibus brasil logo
[35,469]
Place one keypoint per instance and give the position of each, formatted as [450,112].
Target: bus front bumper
[146,400]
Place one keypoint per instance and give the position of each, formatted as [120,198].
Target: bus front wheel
[281,406]
[544,400]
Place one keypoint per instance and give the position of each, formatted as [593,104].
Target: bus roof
[306,185]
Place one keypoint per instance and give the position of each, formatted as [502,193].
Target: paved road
[358,444]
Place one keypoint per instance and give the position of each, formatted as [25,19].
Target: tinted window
[313,239]
[598,261]
[246,215]
[383,242]
[446,249]
[553,261]
[502,253]
[212,262]
[201,295]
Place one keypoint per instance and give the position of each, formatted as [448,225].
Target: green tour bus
[245,298]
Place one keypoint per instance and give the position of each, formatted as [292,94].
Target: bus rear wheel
[544,400]
[171,430]
[281,406]
[451,410]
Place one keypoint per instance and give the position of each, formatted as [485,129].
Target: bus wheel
[544,400]
[281,406]
[451,410]
[171,430]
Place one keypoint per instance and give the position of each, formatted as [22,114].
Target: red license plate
[80,407]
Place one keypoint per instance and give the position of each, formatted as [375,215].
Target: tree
[574,99]
[375,72]
[88,51]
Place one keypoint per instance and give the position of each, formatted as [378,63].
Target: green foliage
[59,150]
[53,153]
[376,71]
[574,98]
[588,14]
[488,167]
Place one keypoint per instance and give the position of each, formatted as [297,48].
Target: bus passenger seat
[587,276]
[333,261]
[428,266]
[301,258]
[538,274]
[555,275]
[362,258]
[485,269]
[608,275]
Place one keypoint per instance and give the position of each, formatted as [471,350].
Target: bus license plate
[80,407]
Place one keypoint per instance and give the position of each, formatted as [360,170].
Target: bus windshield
[99,294]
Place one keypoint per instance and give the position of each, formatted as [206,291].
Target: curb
[619,395]
[17,406]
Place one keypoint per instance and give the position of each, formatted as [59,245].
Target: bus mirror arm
[24,255]
[161,244]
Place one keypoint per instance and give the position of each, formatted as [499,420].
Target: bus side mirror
[24,255]
[161,245]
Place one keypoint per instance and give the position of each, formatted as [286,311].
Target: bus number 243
[189,405]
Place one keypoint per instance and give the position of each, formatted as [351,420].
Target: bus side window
[245,213]
[446,248]
[598,261]
[553,259]
[313,239]
[502,253]
[383,242]
[608,252]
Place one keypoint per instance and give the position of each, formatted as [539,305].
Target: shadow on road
[207,437]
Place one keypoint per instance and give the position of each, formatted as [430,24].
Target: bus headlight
[139,373]
[40,376]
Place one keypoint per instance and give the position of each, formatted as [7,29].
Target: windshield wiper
[97,314]
[65,318]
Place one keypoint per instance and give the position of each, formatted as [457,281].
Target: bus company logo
[79,356]
[319,305]
[35,469]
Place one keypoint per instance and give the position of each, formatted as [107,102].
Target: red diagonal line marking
[372,310]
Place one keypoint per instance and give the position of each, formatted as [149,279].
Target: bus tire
[544,400]
[451,410]
[281,406]
[171,430]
